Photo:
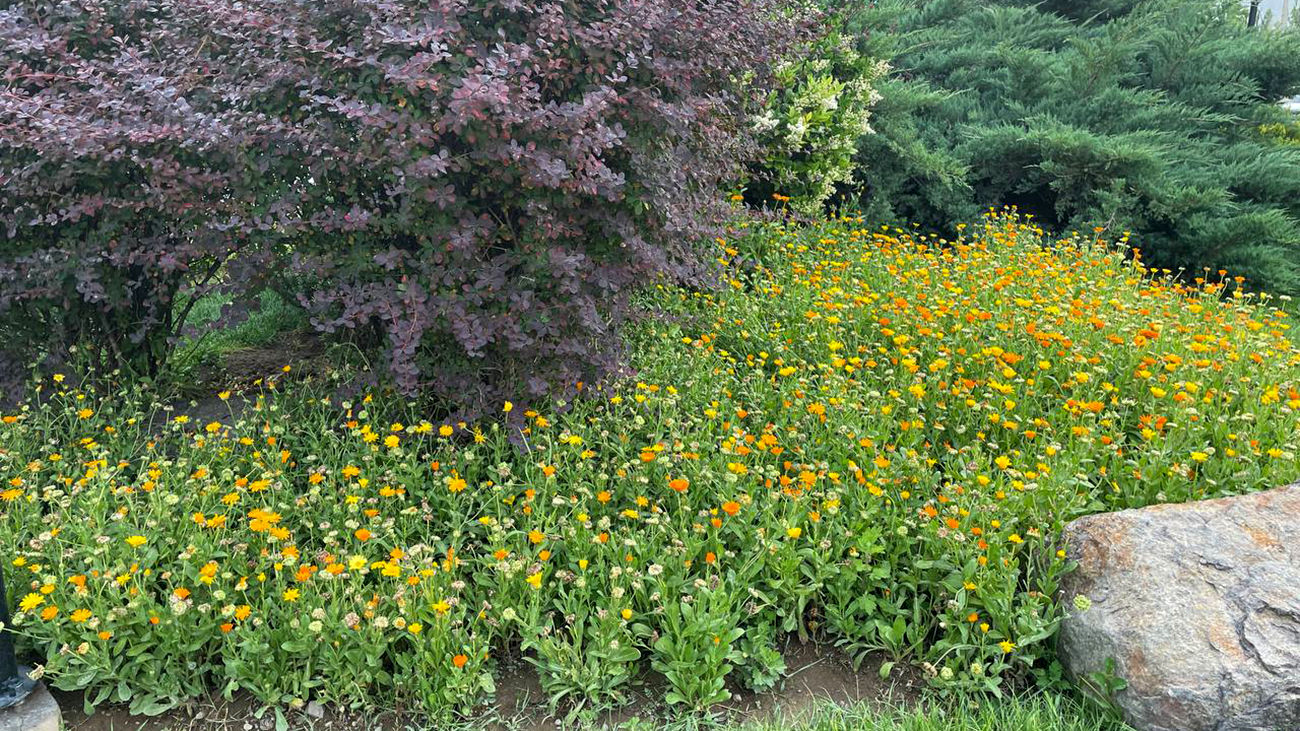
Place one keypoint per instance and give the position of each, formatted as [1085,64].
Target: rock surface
[1198,604]
[37,712]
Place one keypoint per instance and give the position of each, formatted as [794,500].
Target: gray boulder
[1199,606]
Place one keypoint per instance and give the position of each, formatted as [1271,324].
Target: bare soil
[815,675]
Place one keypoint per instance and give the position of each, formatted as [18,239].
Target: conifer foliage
[1146,117]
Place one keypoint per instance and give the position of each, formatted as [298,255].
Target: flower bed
[873,439]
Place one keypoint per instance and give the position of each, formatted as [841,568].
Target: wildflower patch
[874,442]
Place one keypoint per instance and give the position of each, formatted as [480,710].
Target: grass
[271,319]
[1039,712]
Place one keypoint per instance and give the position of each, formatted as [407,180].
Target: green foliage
[1034,712]
[697,647]
[1158,118]
[815,117]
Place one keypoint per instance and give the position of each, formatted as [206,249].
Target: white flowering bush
[810,128]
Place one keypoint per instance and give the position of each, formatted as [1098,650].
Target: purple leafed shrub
[126,137]
[477,184]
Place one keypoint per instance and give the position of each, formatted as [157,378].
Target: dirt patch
[247,369]
[816,674]
[238,369]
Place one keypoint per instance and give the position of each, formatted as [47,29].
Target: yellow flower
[535,580]
[794,532]
[1199,456]
[508,407]
[391,441]
[30,602]
[79,616]
[136,541]
[85,414]
[1007,646]
[290,595]
[445,430]
[1015,538]
[414,628]
[441,606]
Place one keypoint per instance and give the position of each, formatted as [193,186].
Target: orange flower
[731,507]
[362,534]
[459,661]
[679,484]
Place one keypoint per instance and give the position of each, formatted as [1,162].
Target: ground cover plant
[872,440]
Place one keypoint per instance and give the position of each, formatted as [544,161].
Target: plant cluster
[476,184]
[1138,116]
[811,128]
[125,133]
[872,440]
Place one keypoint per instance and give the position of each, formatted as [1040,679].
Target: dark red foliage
[483,182]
